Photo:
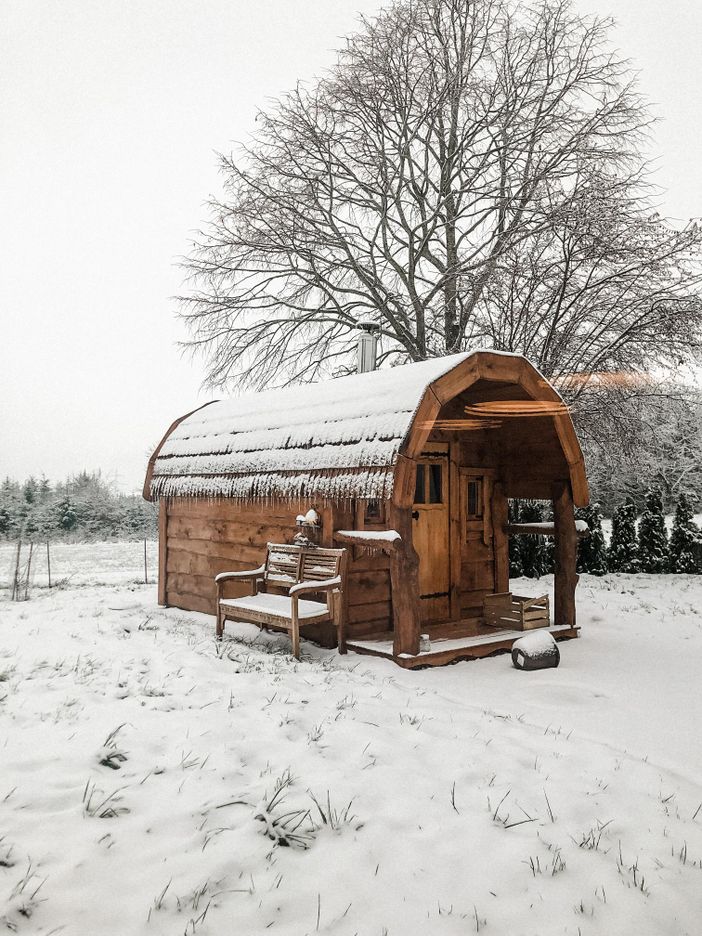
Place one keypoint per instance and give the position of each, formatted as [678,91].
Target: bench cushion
[279,606]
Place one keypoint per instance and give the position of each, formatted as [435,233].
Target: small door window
[420,486]
[428,487]
[434,484]
[474,499]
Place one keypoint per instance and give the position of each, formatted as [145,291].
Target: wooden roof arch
[490,366]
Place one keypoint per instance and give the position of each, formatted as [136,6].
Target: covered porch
[474,636]
[490,431]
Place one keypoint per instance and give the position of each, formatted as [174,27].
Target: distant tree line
[86,507]
[83,507]
[633,547]
[656,436]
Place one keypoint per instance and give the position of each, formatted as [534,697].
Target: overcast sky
[110,113]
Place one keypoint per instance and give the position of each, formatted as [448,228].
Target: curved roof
[336,439]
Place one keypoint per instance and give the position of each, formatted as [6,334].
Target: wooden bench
[296,570]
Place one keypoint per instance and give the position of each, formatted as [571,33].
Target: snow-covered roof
[335,439]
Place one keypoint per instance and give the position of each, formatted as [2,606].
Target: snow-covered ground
[139,763]
[112,563]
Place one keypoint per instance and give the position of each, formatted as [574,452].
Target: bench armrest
[240,576]
[322,585]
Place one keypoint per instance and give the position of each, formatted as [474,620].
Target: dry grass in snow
[152,782]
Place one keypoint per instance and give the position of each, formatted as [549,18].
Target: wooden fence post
[29,571]
[15,580]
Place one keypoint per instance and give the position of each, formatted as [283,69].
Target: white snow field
[110,563]
[139,764]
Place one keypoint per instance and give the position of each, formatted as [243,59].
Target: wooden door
[430,532]
[477,539]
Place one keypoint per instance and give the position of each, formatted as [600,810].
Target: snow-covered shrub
[533,552]
[592,551]
[623,552]
[653,539]
[685,539]
[515,555]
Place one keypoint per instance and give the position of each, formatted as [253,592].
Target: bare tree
[657,430]
[469,174]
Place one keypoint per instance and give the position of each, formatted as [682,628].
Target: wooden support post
[404,578]
[455,528]
[500,539]
[326,514]
[342,518]
[162,550]
[566,578]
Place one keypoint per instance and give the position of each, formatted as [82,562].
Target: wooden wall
[200,538]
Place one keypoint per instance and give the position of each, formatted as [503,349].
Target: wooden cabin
[410,468]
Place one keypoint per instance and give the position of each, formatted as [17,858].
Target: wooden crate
[506,610]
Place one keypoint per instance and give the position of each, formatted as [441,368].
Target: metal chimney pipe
[367,348]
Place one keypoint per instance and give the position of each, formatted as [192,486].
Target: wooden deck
[460,640]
